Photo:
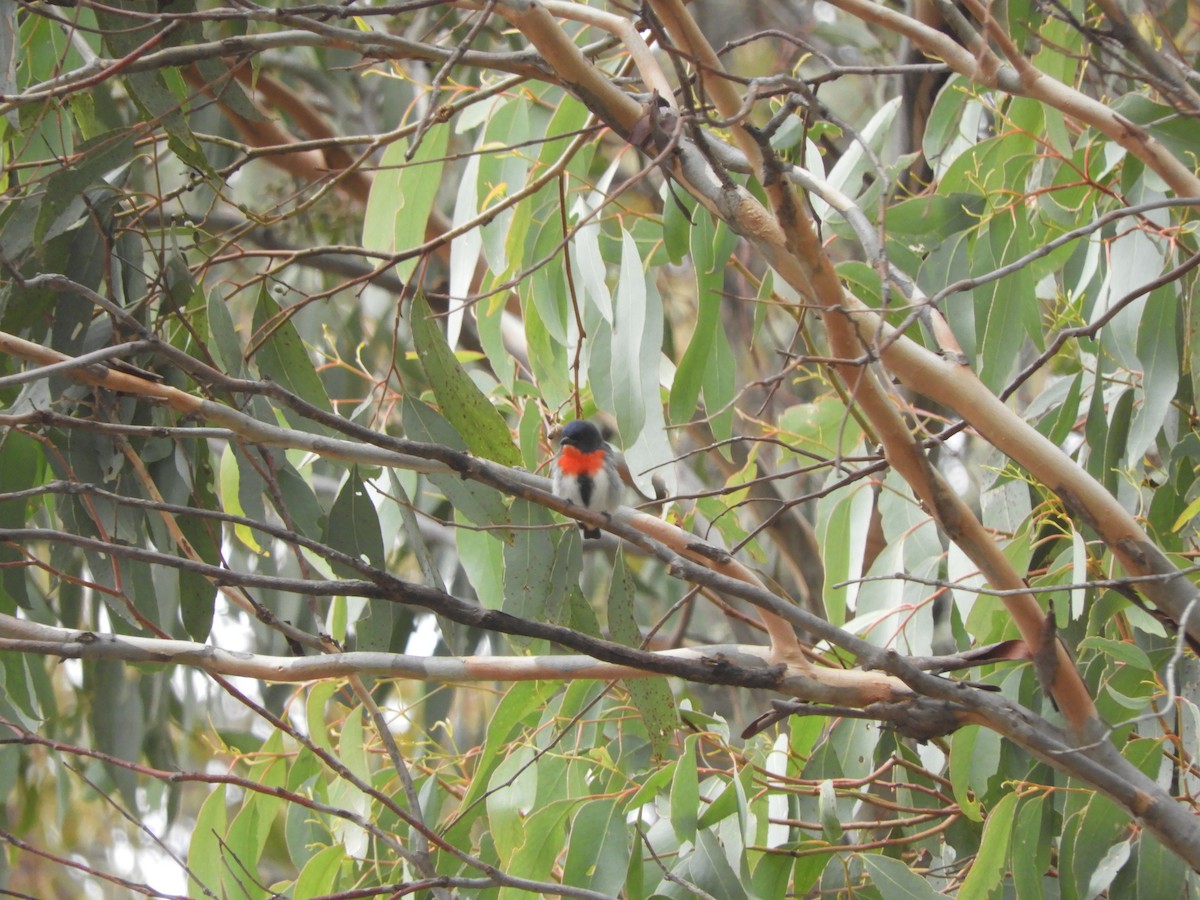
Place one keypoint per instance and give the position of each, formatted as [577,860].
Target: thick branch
[23,636]
[1026,80]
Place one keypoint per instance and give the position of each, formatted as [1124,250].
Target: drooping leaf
[1157,337]
[64,201]
[896,880]
[402,196]
[477,503]
[962,772]
[685,793]
[319,874]
[629,368]
[206,856]
[281,355]
[598,851]
[464,405]
[530,586]
[159,94]
[650,696]
[991,863]
[709,274]
[118,722]
[1031,847]
[353,526]
[1087,839]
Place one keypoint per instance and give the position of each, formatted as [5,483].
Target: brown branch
[1024,79]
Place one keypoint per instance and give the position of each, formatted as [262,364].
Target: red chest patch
[572,462]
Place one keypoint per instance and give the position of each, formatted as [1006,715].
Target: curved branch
[23,636]
[1026,80]
[369,44]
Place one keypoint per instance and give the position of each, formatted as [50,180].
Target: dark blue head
[582,435]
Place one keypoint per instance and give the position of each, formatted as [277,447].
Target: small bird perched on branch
[585,471]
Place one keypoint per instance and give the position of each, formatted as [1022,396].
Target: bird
[585,471]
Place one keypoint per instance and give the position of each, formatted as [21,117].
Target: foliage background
[283,619]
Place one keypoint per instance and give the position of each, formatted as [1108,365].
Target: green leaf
[720,389]
[827,808]
[118,721]
[352,744]
[482,560]
[402,196]
[545,831]
[64,202]
[651,697]
[1145,753]
[198,595]
[591,270]
[1160,873]
[1108,867]
[414,540]
[353,526]
[315,717]
[843,519]
[520,702]
[708,868]
[511,798]
[222,335]
[710,282]
[547,290]
[685,792]
[352,752]
[1191,335]
[282,356]
[1108,465]
[651,786]
[1119,651]
[895,880]
[1087,839]
[1031,846]
[727,803]
[772,876]
[247,838]
[632,362]
[810,865]
[230,472]
[1180,136]
[991,862]
[855,164]
[962,772]
[1006,311]
[679,213]
[1157,335]
[501,174]
[1061,423]
[463,404]
[598,848]
[934,215]
[822,427]
[305,834]
[946,133]
[547,357]
[319,874]
[532,580]
[475,502]
[990,167]
[152,91]
[303,508]
[490,315]
[24,466]
[1190,512]
[206,855]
